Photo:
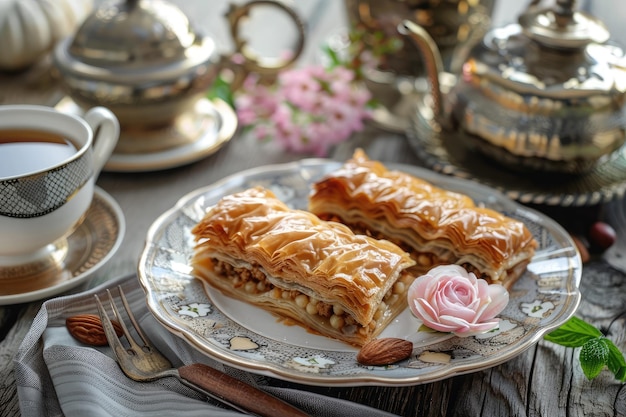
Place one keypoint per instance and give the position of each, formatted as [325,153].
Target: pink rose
[449,299]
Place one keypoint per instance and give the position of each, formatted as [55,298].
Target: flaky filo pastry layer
[436,226]
[253,247]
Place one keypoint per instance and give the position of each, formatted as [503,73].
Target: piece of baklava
[254,248]
[434,225]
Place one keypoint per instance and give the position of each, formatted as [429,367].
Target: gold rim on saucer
[71,260]
[193,135]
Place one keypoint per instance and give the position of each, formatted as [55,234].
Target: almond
[384,351]
[87,328]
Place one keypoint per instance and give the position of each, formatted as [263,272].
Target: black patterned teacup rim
[43,191]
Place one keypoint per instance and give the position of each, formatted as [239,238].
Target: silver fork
[143,362]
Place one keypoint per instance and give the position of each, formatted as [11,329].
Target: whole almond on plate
[384,351]
[87,328]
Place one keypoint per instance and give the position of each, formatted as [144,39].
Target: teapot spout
[432,61]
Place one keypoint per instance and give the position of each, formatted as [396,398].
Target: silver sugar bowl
[144,61]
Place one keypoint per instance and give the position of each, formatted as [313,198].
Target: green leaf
[332,55]
[597,351]
[427,329]
[573,333]
[594,355]
[616,362]
[221,89]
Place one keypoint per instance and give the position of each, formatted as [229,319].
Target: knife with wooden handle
[240,395]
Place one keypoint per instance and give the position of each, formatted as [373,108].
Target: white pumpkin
[30,28]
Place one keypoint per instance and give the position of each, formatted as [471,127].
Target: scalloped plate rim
[572,300]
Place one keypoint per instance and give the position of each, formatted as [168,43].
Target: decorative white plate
[72,261]
[249,338]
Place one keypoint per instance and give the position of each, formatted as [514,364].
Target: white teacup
[49,162]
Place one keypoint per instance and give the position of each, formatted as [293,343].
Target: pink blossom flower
[449,299]
[259,103]
[262,132]
[300,88]
[342,74]
[307,110]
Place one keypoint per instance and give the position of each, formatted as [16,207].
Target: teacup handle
[250,62]
[106,132]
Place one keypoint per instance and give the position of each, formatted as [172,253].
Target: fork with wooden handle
[143,362]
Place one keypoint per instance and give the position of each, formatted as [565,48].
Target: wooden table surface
[545,380]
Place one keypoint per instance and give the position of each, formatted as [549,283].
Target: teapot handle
[432,61]
[250,62]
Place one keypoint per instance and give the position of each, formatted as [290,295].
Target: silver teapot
[546,93]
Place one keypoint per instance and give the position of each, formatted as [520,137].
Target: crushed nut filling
[254,281]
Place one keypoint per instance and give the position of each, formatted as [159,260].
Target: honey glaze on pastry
[254,248]
[436,226]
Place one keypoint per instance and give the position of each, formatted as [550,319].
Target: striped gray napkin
[58,376]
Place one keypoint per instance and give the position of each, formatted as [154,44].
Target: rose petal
[499,299]
[477,329]
[454,321]
[460,311]
[424,311]
[422,287]
[459,291]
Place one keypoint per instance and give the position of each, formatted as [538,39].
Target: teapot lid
[138,34]
[562,26]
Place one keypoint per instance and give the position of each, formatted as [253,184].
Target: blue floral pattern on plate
[249,338]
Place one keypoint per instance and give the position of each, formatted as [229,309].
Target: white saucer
[201,132]
[73,260]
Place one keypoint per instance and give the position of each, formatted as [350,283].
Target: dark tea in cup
[30,151]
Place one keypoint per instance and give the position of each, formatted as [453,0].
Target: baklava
[253,247]
[434,225]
